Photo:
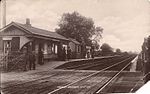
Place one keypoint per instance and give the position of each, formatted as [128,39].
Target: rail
[98,92]
[88,76]
[139,81]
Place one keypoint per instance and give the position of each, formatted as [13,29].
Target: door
[15,43]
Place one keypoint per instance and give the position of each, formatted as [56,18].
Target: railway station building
[15,36]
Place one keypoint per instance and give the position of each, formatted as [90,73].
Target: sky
[125,22]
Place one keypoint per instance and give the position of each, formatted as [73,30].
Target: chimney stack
[3,13]
[28,22]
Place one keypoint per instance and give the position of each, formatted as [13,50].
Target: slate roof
[74,41]
[41,32]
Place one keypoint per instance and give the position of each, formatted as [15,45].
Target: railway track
[52,80]
[78,88]
[61,82]
[110,80]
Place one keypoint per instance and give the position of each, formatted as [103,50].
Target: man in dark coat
[64,53]
[25,59]
[40,57]
[32,60]
[92,51]
[68,53]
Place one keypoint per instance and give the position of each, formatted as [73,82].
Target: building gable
[13,31]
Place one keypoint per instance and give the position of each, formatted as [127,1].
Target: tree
[96,37]
[118,51]
[76,26]
[106,49]
[96,45]
[98,33]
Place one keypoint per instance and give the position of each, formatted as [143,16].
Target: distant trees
[106,49]
[81,28]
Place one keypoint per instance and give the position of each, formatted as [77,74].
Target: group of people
[65,54]
[29,60]
[90,53]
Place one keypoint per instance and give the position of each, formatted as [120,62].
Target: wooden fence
[11,61]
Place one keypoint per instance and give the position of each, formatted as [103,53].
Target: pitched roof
[74,41]
[41,32]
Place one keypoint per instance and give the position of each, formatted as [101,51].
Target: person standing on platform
[41,57]
[64,54]
[34,59]
[68,53]
[31,60]
[92,51]
[25,59]
[88,53]
[60,52]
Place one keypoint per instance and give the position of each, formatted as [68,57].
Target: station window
[56,47]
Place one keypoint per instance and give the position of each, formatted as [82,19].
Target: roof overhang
[30,34]
[48,38]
